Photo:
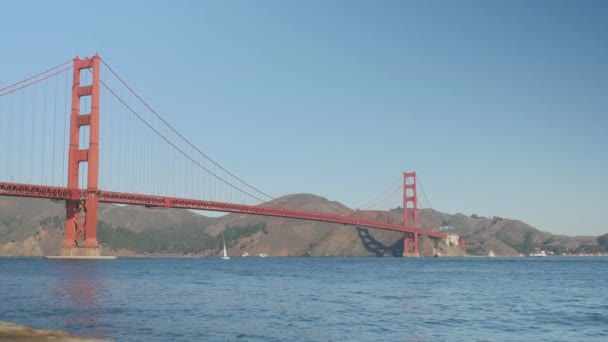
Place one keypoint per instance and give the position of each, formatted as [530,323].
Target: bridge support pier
[81,213]
[410,246]
[416,244]
[80,252]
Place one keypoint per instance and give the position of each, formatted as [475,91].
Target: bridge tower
[81,213]
[410,213]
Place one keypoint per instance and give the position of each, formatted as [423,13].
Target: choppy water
[312,299]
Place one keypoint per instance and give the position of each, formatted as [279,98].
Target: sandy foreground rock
[16,332]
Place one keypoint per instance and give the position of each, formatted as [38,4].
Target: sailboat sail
[225,254]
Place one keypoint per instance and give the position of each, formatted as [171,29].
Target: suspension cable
[384,199]
[423,192]
[179,134]
[171,143]
[35,76]
[389,188]
[33,82]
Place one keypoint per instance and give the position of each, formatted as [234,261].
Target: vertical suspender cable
[106,142]
[131,155]
[127,133]
[114,139]
[423,192]
[9,129]
[65,117]
[179,135]
[167,167]
[144,159]
[9,135]
[22,134]
[33,138]
[199,173]
[2,101]
[173,181]
[138,158]
[54,135]
[136,176]
[150,144]
[43,132]
[5,125]
[120,168]
[123,154]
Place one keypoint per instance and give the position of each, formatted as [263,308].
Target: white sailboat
[225,254]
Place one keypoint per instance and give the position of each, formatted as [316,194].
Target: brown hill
[20,217]
[506,236]
[35,227]
[140,219]
[286,237]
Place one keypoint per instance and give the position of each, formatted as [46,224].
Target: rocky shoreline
[16,332]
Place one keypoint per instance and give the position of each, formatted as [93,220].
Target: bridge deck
[61,193]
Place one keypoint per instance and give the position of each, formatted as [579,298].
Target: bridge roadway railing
[40,191]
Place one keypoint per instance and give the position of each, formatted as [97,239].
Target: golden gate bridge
[92,139]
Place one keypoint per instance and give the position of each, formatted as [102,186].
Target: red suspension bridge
[101,142]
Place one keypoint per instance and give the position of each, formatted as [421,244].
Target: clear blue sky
[500,106]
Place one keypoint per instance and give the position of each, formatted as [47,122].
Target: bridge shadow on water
[378,248]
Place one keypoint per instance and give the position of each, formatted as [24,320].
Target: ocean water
[312,299]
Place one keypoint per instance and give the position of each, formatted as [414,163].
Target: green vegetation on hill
[53,222]
[602,240]
[160,231]
[185,239]
[525,246]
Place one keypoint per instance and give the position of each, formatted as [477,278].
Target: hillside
[512,237]
[35,227]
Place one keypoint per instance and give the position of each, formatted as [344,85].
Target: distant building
[452,240]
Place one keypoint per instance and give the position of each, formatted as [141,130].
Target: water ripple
[309,299]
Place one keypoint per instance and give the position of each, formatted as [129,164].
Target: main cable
[389,188]
[180,135]
[425,196]
[32,83]
[35,76]
[171,143]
